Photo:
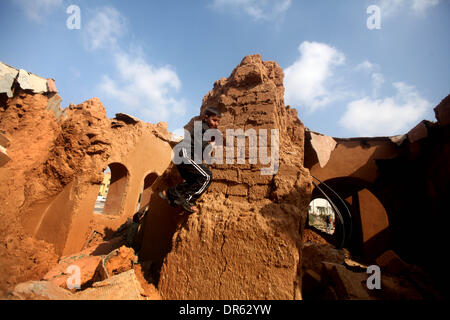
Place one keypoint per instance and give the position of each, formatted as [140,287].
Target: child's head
[212,117]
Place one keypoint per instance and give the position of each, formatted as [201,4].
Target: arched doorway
[117,189]
[103,192]
[362,222]
[145,195]
[321,216]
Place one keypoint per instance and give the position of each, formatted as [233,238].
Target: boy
[197,176]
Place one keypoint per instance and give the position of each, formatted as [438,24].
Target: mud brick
[238,190]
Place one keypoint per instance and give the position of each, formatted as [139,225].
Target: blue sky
[157,59]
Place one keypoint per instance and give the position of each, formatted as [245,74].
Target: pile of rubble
[333,274]
[107,270]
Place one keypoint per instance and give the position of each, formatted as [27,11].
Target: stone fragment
[390,262]
[355,265]
[7,76]
[30,81]
[119,260]
[398,140]
[4,158]
[175,138]
[323,146]
[39,290]
[348,285]
[51,87]
[4,141]
[124,286]
[127,118]
[91,270]
[54,105]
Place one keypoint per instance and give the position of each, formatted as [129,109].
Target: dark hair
[211,111]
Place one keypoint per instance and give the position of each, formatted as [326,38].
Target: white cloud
[267,10]
[311,83]
[144,88]
[375,75]
[389,7]
[365,65]
[419,7]
[377,81]
[385,117]
[306,80]
[104,29]
[137,85]
[38,10]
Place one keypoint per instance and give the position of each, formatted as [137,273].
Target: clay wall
[50,183]
[245,242]
[394,186]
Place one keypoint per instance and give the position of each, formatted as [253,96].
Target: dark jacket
[190,145]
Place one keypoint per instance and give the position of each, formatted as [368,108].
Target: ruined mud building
[246,241]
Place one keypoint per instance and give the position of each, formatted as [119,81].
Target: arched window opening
[145,195]
[362,223]
[321,216]
[110,199]
[103,192]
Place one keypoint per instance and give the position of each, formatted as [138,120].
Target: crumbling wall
[31,128]
[348,157]
[49,186]
[350,167]
[245,241]
[415,189]
[142,150]
[54,208]
[396,187]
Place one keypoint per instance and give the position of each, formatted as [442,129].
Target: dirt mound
[115,275]
[310,235]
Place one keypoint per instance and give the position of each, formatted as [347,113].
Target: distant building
[105,184]
[320,206]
